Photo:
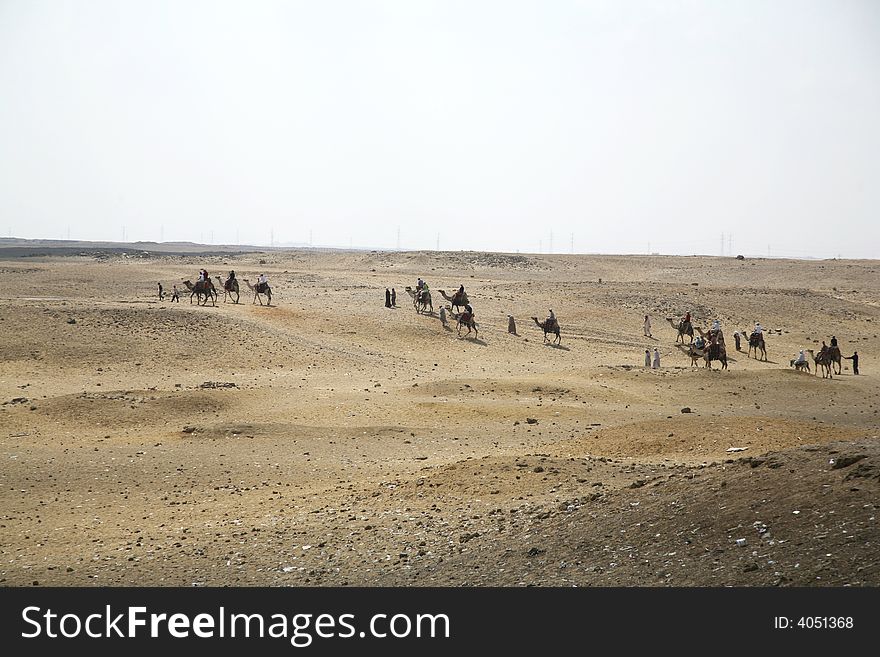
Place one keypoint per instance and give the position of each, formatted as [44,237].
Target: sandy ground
[329,440]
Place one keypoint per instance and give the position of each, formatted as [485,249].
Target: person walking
[387,298]
[736,339]
[647,327]
[656,358]
[443,315]
[393,298]
[174,295]
[161,293]
[647,358]
[855,359]
[511,325]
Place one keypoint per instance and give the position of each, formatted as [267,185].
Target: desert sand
[328,440]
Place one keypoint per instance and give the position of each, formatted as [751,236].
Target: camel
[683,328]
[834,353]
[707,354]
[715,352]
[457,300]
[549,327]
[707,335]
[257,293]
[200,289]
[823,360]
[232,289]
[467,319]
[756,341]
[420,301]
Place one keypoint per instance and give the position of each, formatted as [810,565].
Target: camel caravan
[204,290]
[461,310]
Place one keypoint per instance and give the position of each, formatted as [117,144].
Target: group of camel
[714,349]
[825,359]
[206,289]
[422,303]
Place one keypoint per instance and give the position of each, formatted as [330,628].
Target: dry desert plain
[328,440]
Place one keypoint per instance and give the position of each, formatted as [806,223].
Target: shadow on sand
[557,346]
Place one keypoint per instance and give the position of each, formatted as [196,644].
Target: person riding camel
[262,283]
[460,294]
[229,280]
[833,341]
[551,320]
[468,314]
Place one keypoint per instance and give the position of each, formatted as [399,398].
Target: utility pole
[729,244]
[398,238]
[722,244]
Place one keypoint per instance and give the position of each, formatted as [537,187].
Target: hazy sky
[490,123]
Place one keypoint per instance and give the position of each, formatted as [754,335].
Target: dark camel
[549,327]
[683,328]
[457,300]
[467,319]
[200,289]
[756,341]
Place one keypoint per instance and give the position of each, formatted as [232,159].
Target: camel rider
[230,280]
[203,275]
[687,318]
[699,342]
[801,357]
[551,319]
[833,341]
[262,282]
[460,294]
[419,284]
[469,313]
[758,332]
[716,325]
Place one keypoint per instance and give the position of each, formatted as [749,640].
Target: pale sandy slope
[365,445]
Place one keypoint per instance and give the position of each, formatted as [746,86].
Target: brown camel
[715,352]
[229,291]
[756,341]
[707,335]
[457,300]
[466,319]
[823,359]
[422,301]
[834,353]
[683,328]
[257,292]
[202,289]
[549,327]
